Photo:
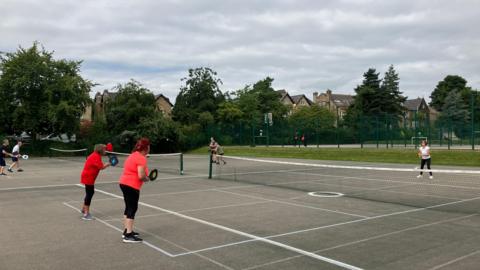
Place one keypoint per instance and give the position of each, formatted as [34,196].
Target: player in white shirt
[424,154]
[16,157]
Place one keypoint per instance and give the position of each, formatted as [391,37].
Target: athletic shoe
[87,217]
[419,176]
[3,173]
[10,170]
[130,238]
[133,232]
[20,170]
[431,177]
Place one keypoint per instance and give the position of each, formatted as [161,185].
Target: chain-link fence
[386,131]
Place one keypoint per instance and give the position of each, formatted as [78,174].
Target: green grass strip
[404,156]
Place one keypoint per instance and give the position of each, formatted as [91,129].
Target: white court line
[364,240]
[37,187]
[385,189]
[295,204]
[261,239]
[455,260]
[353,167]
[196,210]
[153,246]
[120,230]
[395,181]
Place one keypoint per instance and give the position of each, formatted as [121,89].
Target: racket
[153,175]
[113,160]
[25,156]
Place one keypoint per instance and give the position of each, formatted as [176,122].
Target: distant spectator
[220,154]
[213,149]
[304,140]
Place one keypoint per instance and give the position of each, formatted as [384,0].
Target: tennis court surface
[252,214]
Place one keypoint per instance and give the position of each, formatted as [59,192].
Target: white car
[60,138]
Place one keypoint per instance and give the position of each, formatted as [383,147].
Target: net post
[210,165]
[472,116]
[181,163]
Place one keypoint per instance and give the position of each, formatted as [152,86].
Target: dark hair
[425,141]
[141,145]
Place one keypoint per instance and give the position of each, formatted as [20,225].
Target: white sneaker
[431,177]
[419,176]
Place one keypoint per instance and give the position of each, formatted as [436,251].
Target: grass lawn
[404,156]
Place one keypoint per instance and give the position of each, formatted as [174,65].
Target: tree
[312,118]
[451,83]
[369,98]
[41,94]
[229,112]
[201,93]
[131,104]
[254,101]
[456,114]
[163,132]
[392,96]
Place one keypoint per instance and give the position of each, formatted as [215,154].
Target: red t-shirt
[130,170]
[92,167]
[109,147]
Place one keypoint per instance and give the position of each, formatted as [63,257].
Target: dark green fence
[384,131]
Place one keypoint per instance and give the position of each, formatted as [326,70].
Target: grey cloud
[305,45]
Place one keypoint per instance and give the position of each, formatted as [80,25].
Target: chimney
[315,96]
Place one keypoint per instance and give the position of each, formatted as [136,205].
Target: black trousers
[89,191]
[131,197]
[422,165]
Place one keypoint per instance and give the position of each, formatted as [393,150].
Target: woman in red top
[135,173]
[93,166]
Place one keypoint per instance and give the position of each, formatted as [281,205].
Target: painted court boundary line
[352,167]
[119,230]
[253,237]
[455,260]
[338,224]
[374,238]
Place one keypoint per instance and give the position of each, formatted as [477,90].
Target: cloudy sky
[306,46]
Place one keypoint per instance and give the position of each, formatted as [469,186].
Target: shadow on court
[386,220]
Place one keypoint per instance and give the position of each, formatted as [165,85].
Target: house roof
[284,94]
[164,97]
[342,100]
[413,104]
[297,99]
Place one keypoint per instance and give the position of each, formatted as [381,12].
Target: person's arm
[142,174]
[105,165]
[6,153]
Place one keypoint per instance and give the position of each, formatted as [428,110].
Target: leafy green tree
[451,83]
[41,94]
[313,118]
[229,112]
[131,104]
[201,93]
[163,132]
[259,99]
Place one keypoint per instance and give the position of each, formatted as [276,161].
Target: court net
[449,190]
[164,163]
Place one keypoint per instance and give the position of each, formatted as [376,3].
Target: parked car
[24,137]
[60,138]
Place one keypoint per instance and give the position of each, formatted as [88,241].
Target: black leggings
[89,191]
[428,162]
[131,197]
